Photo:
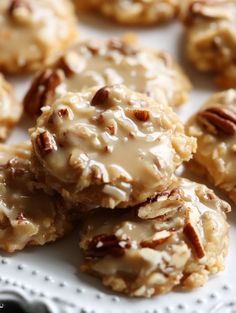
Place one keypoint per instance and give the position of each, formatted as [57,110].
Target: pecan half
[141,115]
[18,4]
[45,142]
[100,97]
[42,90]
[102,245]
[219,119]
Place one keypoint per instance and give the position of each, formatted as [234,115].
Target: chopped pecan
[45,142]
[69,63]
[192,233]
[63,113]
[42,90]
[158,239]
[100,97]
[219,119]
[102,245]
[18,4]
[141,115]
[122,46]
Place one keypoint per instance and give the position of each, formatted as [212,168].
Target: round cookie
[109,146]
[30,213]
[99,63]
[133,12]
[177,238]
[211,37]
[10,109]
[33,33]
[214,126]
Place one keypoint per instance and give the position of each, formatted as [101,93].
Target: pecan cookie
[211,37]
[133,12]
[10,109]
[215,129]
[177,238]
[99,63]
[30,214]
[109,146]
[33,33]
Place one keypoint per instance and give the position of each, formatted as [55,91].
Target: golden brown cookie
[214,126]
[33,33]
[178,238]
[108,146]
[30,213]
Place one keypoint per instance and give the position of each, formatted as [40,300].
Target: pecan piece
[192,233]
[18,4]
[158,239]
[70,63]
[141,115]
[100,97]
[219,119]
[45,142]
[102,245]
[42,90]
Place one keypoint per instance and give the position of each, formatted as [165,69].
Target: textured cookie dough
[109,146]
[211,37]
[215,129]
[28,215]
[178,238]
[10,109]
[133,12]
[117,61]
[33,33]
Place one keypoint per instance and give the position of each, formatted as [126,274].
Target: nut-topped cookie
[30,213]
[99,63]
[33,33]
[10,109]
[214,126]
[108,146]
[177,238]
[211,37]
[133,12]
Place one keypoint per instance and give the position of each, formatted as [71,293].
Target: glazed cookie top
[110,146]
[93,63]
[10,109]
[211,32]
[178,233]
[215,129]
[137,12]
[30,214]
[32,32]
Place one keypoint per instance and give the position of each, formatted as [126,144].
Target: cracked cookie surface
[117,61]
[10,109]
[108,146]
[133,12]
[214,126]
[178,238]
[33,33]
[30,213]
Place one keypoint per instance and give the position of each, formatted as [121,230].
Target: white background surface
[51,273]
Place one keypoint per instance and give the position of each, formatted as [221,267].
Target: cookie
[99,63]
[211,37]
[177,238]
[108,146]
[30,214]
[133,12]
[33,33]
[10,109]
[214,126]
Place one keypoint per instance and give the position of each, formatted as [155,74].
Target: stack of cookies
[104,150]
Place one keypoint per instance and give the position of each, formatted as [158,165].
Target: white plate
[50,274]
